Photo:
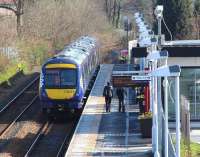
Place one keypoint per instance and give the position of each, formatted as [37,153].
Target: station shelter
[126,75]
[187,55]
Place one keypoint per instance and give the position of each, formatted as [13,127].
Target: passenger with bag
[120,94]
[108,94]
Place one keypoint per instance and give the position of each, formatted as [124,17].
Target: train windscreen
[60,78]
[68,77]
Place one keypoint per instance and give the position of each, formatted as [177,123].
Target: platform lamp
[172,71]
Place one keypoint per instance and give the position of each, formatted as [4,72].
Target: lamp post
[172,71]
[127,28]
[154,57]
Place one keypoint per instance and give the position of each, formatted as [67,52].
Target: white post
[166,115]
[151,89]
[177,104]
[159,115]
[195,96]
[152,106]
[159,33]
[156,153]
[129,59]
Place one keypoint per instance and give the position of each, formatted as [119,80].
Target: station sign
[140,78]
[127,81]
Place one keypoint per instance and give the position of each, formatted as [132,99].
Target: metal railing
[161,133]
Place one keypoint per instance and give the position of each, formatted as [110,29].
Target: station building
[185,53]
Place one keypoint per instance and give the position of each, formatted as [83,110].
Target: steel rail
[63,144]
[19,116]
[61,147]
[18,95]
[44,127]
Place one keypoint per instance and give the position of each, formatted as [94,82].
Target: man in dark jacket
[120,94]
[108,94]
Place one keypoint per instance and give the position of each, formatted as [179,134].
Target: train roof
[81,45]
[74,54]
[78,50]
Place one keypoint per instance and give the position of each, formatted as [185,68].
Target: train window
[94,59]
[93,63]
[68,77]
[83,78]
[83,71]
[56,78]
[90,63]
[86,68]
[52,78]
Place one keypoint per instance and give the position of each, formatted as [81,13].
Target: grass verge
[193,151]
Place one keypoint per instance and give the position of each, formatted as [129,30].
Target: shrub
[33,53]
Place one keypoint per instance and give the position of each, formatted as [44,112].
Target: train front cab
[59,91]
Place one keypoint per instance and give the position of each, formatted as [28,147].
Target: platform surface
[108,134]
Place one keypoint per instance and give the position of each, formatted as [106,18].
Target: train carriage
[64,78]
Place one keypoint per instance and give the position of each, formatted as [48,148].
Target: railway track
[8,126]
[17,106]
[11,113]
[20,94]
[51,139]
[25,131]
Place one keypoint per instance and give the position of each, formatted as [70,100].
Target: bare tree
[48,25]
[118,13]
[197,17]
[106,6]
[17,8]
[113,11]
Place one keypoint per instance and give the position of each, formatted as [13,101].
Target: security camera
[159,11]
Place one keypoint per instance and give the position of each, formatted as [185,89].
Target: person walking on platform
[120,94]
[108,94]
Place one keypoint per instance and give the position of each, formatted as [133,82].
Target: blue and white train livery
[64,78]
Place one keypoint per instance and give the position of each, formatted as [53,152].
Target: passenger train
[65,77]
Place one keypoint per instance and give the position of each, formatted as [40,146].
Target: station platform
[108,134]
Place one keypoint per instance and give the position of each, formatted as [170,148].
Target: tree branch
[8,8]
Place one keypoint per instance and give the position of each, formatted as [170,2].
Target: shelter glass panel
[189,88]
